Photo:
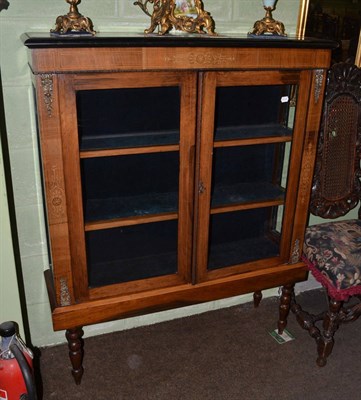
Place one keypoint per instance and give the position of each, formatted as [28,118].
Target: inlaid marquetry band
[48,88]
[56,193]
[201,59]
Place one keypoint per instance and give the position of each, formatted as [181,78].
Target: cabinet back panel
[131,253]
[247,173]
[130,185]
[251,105]
[239,237]
[128,117]
[244,163]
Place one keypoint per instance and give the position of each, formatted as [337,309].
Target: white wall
[231,16]
[10,309]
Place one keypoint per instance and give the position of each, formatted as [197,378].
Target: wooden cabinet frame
[61,68]
[68,86]
[221,79]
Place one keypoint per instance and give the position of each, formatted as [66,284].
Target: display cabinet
[176,169]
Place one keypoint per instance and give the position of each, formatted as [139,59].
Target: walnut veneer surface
[200,68]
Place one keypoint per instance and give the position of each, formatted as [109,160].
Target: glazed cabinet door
[252,134]
[128,158]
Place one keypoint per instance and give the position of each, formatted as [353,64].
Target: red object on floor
[16,365]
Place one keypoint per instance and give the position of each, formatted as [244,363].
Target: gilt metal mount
[73,22]
[188,16]
[268,25]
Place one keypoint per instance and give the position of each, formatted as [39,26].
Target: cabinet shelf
[137,220]
[252,141]
[123,208]
[127,151]
[274,132]
[130,186]
[247,194]
[131,210]
[245,206]
[131,139]
[132,206]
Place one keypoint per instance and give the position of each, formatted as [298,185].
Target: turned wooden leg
[284,307]
[330,326]
[75,344]
[257,297]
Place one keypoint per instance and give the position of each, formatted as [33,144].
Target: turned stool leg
[330,326]
[75,344]
[285,305]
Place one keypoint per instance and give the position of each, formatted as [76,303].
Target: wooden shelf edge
[102,310]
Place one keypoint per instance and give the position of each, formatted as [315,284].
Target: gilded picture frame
[187,16]
[302,18]
[358,53]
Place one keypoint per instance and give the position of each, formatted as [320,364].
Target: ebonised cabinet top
[46,40]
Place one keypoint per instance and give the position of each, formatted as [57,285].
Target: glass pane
[245,174]
[131,185]
[115,118]
[243,236]
[253,111]
[131,253]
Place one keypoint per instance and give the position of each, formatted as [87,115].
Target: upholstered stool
[332,252]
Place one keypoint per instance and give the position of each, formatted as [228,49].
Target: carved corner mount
[295,256]
[318,84]
[48,89]
[65,298]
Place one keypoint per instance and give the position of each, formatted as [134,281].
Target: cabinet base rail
[72,318]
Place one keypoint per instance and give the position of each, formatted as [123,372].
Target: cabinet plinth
[175,171]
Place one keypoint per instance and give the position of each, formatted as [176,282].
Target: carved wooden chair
[332,250]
